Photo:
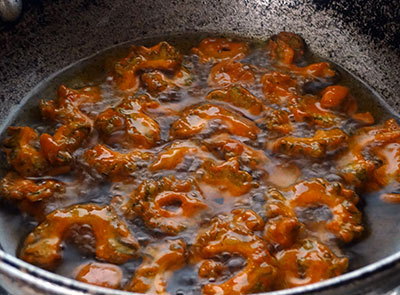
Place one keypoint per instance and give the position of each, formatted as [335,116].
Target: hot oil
[83,186]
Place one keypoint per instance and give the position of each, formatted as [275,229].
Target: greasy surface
[355,34]
[208,152]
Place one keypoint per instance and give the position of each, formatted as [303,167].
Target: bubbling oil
[82,186]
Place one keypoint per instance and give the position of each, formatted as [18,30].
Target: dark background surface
[383,25]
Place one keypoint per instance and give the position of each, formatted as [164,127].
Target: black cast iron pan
[361,36]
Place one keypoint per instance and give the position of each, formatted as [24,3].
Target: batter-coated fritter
[114,242]
[168,205]
[21,152]
[216,49]
[128,124]
[197,120]
[76,126]
[159,263]
[233,235]
[162,56]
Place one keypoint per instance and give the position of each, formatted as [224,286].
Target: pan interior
[380,219]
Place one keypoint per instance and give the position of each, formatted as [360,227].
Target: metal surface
[52,34]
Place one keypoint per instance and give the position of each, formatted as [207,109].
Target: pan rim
[37,277]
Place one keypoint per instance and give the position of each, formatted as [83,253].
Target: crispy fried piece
[307,109]
[279,88]
[162,56]
[321,70]
[76,126]
[159,263]
[357,172]
[67,108]
[337,97]
[286,48]
[233,234]
[364,118]
[239,97]
[21,152]
[390,169]
[318,146]
[229,72]
[391,198]
[156,82]
[282,227]
[211,269]
[128,125]
[358,163]
[16,187]
[37,210]
[182,78]
[227,176]
[216,49]
[58,148]
[172,156]
[308,262]
[334,96]
[169,205]
[231,148]
[114,164]
[197,119]
[114,242]
[100,274]
[277,121]
[346,218]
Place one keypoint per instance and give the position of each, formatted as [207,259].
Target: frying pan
[362,36]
